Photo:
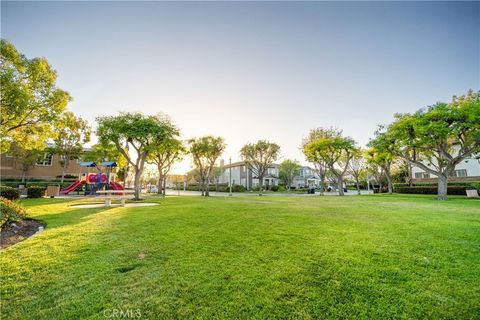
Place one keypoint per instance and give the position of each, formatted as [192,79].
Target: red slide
[116,186]
[72,187]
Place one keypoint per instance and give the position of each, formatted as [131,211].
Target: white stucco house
[468,169]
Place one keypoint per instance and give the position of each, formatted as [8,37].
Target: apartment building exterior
[48,167]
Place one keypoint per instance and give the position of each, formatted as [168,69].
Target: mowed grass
[249,258]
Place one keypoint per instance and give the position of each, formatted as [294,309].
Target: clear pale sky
[254,70]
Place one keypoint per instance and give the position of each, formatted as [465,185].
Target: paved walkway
[246,194]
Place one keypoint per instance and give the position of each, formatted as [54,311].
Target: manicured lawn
[249,257]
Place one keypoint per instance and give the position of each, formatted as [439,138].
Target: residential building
[48,167]
[307,177]
[467,170]
[241,175]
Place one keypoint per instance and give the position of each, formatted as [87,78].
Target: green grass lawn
[249,257]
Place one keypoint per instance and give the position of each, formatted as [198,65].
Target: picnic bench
[110,195]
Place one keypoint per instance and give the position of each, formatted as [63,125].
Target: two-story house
[239,174]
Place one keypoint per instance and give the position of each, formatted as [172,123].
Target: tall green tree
[313,156]
[135,136]
[439,137]
[205,152]
[164,155]
[30,100]
[356,167]
[336,152]
[27,158]
[382,159]
[259,157]
[71,135]
[288,169]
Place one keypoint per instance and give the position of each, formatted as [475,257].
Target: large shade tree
[356,168]
[380,155]
[287,171]
[259,157]
[163,156]
[31,102]
[313,156]
[335,151]
[135,136]
[205,152]
[71,135]
[436,139]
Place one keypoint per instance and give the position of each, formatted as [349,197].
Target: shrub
[67,176]
[9,193]
[36,192]
[452,190]
[274,188]
[238,188]
[474,185]
[10,211]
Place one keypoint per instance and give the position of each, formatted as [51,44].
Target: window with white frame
[46,160]
[460,173]
[422,175]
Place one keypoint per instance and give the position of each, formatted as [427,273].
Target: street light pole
[230,175]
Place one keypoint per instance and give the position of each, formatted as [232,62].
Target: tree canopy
[439,137]
[259,157]
[137,133]
[30,99]
[335,151]
[288,169]
[205,152]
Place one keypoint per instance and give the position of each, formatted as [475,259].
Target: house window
[460,173]
[46,160]
[422,175]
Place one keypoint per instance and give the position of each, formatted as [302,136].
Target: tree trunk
[389,181]
[202,186]
[322,185]
[159,183]
[24,175]
[207,188]
[136,183]
[358,186]
[410,174]
[442,187]
[340,185]
[260,185]
[164,189]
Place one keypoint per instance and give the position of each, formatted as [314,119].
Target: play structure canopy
[88,164]
[109,164]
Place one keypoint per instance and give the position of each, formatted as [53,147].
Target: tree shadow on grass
[70,217]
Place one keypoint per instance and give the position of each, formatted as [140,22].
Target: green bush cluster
[15,184]
[434,184]
[10,211]
[451,190]
[9,192]
[36,192]
[274,188]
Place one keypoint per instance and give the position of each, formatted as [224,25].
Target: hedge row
[9,193]
[15,184]
[13,193]
[434,184]
[452,190]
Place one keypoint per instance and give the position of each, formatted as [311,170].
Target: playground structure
[92,182]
